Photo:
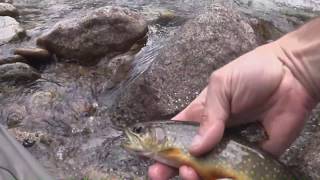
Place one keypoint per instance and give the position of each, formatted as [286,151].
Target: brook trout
[233,158]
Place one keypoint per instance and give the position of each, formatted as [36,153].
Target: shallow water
[69,104]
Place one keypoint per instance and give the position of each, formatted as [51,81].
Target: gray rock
[12,59]
[105,31]
[6,1]
[10,29]
[160,16]
[183,65]
[311,159]
[117,69]
[7,9]
[18,73]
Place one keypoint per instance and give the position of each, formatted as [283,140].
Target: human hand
[257,86]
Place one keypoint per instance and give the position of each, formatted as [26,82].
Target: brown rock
[105,31]
[181,69]
[7,9]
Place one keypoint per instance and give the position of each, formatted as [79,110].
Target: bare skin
[276,84]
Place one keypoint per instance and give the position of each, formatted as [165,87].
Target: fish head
[145,139]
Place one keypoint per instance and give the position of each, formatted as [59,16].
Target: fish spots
[252,172]
[267,176]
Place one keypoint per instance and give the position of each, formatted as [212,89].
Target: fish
[233,158]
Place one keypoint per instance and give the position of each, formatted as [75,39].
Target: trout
[233,158]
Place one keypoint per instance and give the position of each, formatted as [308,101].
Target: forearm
[300,52]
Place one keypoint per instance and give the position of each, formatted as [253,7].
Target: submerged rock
[105,31]
[8,10]
[18,73]
[10,29]
[117,69]
[183,65]
[12,59]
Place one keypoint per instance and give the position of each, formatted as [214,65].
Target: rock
[6,1]
[8,10]
[10,29]
[105,31]
[309,159]
[12,59]
[18,73]
[266,30]
[161,16]
[34,56]
[33,53]
[14,120]
[181,69]
[120,67]
[117,69]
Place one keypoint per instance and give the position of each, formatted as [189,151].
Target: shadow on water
[65,112]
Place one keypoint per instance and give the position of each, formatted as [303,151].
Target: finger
[160,171]
[194,110]
[214,116]
[187,173]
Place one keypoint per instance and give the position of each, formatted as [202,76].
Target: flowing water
[67,107]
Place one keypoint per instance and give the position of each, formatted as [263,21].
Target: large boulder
[7,9]
[181,69]
[10,29]
[105,31]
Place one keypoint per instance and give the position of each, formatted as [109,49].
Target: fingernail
[196,141]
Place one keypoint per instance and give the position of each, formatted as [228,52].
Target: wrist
[300,52]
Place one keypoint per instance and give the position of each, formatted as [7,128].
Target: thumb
[213,119]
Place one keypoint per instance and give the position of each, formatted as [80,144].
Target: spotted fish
[233,158]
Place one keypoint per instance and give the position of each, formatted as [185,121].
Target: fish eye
[138,129]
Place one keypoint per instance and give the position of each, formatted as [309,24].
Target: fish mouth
[134,145]
[132,141]
[128,142]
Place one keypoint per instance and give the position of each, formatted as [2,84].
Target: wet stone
[105,31]
[12,59]
[17,73]
[33,53]
[10,29]
[14,119]
[118,69]
[183,65]
[309,159]
[6,1]
[7,9]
